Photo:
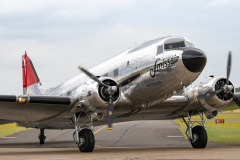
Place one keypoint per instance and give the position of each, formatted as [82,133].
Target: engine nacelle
[215,103]
[95,96]
[210,114]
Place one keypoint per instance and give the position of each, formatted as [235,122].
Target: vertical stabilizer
[31,82]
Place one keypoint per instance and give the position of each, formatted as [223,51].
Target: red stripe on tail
[30,76]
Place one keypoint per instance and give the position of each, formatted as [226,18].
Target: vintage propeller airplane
[138,84]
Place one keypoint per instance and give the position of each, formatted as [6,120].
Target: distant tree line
[237,89]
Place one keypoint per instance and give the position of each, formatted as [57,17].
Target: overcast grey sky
[60,35]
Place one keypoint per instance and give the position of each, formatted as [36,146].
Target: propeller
[236,99]
[129,79]
[92,76]
[229,66]
[224,87]
[110,113]
[111,90]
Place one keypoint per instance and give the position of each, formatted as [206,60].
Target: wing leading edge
[33,108]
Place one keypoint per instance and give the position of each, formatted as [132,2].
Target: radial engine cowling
[95,96]
[217,102]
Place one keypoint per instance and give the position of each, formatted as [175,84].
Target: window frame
[117,71]
[157,49]
[190,43]
[172,43]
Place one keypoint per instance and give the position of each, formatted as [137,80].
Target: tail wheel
[200,138]
[42,139]
[87,140]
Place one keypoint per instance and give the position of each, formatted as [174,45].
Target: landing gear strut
[84,138]
[42,136]
[197,135]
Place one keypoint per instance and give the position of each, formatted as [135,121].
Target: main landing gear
[84,138]
[42,136]
[197,135]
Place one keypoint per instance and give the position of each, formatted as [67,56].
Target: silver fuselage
[166,82]
[163,75]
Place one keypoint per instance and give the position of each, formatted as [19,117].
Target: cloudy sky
[60,35]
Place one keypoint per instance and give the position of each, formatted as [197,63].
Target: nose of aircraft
[194,59]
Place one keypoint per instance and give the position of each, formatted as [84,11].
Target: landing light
[22,100]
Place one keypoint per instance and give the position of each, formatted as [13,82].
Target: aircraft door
[159,53]
[167,55]
[157,62]
[158,65]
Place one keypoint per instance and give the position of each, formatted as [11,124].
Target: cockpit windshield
[189,44]
[174,45]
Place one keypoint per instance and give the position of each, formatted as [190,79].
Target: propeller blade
[208,95]
[110,113]
[110,104]
[129,79]
[229,66]
[236,100]
[205,95]
[92,76]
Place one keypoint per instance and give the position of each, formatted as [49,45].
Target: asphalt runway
[128,140]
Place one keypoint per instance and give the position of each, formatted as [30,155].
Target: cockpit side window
[174,45]
[115,73]
[105,75]
[189,44]
[160,49]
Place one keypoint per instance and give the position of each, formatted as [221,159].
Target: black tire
[89,144]
[42,139]
[202,138]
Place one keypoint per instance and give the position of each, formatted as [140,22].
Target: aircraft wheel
[199,137]
[42,139]
[87,141]
[42,136]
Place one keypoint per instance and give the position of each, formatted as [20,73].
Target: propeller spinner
[110,92]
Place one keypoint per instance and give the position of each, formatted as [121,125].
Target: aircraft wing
[32,108]
[176,100]
[180,103]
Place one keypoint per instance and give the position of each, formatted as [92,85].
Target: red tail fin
[30,76]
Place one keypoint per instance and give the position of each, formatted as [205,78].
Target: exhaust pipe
[211,115]
[97,116]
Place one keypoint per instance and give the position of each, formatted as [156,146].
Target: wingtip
[79,67]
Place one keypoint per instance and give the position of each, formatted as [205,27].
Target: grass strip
[222,133]
[221,116]
[9,129]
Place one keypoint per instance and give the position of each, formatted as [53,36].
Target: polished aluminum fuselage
[162,76]
[145,89]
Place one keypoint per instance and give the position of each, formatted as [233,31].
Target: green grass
[231,106]
[9,129]
[222,116]
[226,115]
[229,132]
